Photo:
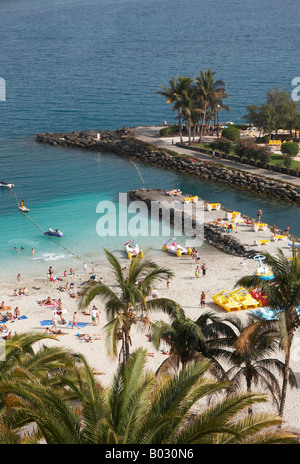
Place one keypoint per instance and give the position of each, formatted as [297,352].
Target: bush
[231,133]
[169,130]
[290,149]
[250,151]
[223,145]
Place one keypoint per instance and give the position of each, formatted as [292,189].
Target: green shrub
[231,133]
[248,150]
[290,149]
[222,144]
[169,130]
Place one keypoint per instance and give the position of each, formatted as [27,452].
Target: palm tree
[207,91]
[182,337]
[249,358]
[21,358]
[139,409]
[284,298]
[216,106]
[176,94]
[124,307]
[191,340]
[24,362]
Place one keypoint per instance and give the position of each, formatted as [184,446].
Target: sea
[69,65]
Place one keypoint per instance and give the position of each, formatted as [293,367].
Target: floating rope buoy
[33,222]
[137,170]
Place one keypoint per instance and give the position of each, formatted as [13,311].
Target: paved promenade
[151,135]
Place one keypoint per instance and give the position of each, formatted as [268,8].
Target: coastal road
[151,135]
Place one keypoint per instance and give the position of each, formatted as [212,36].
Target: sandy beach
[222,273]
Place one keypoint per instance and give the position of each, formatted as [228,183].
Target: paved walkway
[151,135]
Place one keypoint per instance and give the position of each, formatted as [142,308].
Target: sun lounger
[279,237]
[213,206]
[262,242]
[233,215]
[259,226]
[191,199]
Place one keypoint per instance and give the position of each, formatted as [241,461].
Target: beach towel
[52,305]
[80,324]
[49,322]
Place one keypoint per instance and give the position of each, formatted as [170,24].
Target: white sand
[222,273]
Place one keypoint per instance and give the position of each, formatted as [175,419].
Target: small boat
[54,233]
[175,248]
[24,209]
[6,184]
[132,249]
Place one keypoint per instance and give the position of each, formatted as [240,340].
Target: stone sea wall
[122,142]
[213,236]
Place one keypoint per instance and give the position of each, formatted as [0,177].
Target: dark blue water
[73,65]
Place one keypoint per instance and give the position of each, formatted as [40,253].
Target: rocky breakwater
[212,235]
[122,142]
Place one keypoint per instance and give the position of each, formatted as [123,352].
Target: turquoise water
[71,65]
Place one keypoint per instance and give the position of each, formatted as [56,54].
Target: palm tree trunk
[126,346]
[179,124]
[285,376]
[189,134]
[248,383]
[203,121]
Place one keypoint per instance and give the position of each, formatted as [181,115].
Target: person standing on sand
[274,230]
[168,282]
[287,231]
[54,319]
[94,315]
[197,272]
[75,321]
[202,299]
[50,272]
[203,269]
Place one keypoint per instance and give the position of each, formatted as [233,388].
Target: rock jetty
[123,142]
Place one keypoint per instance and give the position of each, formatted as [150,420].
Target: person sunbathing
[57,332]
[76,295]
